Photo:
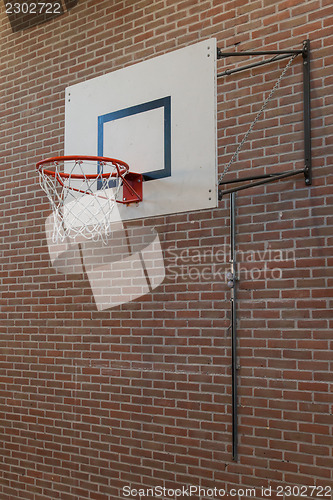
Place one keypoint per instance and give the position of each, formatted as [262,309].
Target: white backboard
[159,116]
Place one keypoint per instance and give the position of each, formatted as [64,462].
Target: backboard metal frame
[277,55]
[165,104]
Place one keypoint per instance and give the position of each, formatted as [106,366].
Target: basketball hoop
[83,191]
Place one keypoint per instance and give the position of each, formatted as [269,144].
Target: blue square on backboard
[165,103]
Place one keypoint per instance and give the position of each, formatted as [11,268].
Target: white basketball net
[82,203]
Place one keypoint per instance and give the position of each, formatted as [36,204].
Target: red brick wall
[140,395]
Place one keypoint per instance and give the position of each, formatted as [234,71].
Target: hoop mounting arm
[277,55]
[132,188]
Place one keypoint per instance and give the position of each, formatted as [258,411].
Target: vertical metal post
[233,301]
[307,112]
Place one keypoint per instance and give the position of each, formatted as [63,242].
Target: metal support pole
[307,112]
[233,301]
[221,54]
[253,65]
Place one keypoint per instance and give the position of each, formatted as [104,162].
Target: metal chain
[264,106]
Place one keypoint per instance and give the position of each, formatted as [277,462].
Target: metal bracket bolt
[231,279]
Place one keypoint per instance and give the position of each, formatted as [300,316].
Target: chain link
[262,109]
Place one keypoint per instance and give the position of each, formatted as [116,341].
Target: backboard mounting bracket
[132,188]
[277,55]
